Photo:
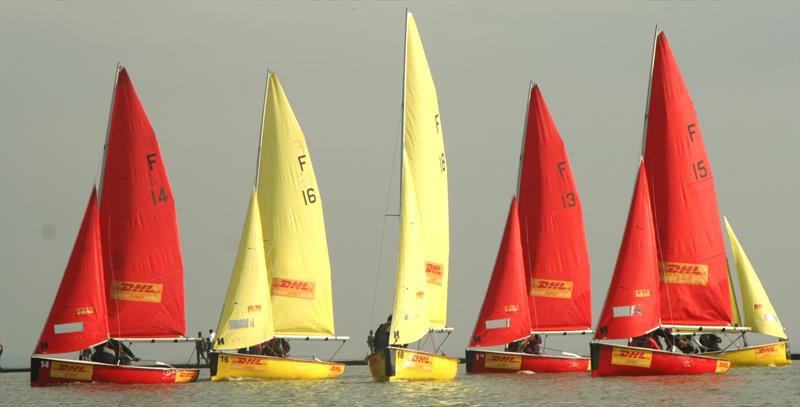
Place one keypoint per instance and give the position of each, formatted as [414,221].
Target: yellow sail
[736,319]
[295,243]
[757,309]
[423,147]
[409,318]
[246,318]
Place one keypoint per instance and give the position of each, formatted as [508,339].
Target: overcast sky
[199,69]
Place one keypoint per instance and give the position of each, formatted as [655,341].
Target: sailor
[710,343]
[382,334]
[371,342]
[533,345]
[200,348]
[278,347]
[685,345]
[209,343]
[113,352]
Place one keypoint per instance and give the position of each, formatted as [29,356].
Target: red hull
[52,371]
[613,360]
[484,361]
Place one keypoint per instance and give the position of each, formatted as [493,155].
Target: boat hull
[393,364]
[52,371]
[486,361]
[235,366]
[615,360]
[771,354]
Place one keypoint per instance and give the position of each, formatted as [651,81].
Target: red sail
[632,304]
[78,317]
[504,315]
[694,276]
[553,239]
[141,248]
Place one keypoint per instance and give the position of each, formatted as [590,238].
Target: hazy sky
[199,69]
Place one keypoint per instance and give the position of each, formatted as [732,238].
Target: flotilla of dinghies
[541,281]
[759,316]
[420,299]
[280,287]
[124,278]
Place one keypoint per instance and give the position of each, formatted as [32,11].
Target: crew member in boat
[113,352]
[278,347]
[200,348]
[710,343]
[382,334]
[647,340]
[685,345]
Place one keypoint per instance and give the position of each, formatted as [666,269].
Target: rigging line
[383,233]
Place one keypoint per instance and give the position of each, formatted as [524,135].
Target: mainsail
[504,315]
[424,204]
[423,143]
[78,318]
[295,243]
[246,318]
[632,305]
[759,314]
[142,258]
[694,277]
[553,237]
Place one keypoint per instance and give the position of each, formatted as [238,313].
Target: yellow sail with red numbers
[410,317]
[246,318]
[424,156]
[295,243]
[758,312]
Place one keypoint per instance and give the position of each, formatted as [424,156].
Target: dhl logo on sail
[84,311]
[293,288]
[511,308]
[684,273]
[254,308]
[136,291]
[71,371]
[629,357]
[642,293]
[434,272]
[503,362]
[551,288]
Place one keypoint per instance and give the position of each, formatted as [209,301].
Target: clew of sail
[553,237]
[78,317]
[504,315]
[759,314]
[694,276]
[142,258]
[424,155]
[295,243]
[632,305]
[246,318]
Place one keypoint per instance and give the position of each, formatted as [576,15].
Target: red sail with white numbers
[504,315]
[694,274]
[632,305]
[141,248]
[78,317]
[551,225]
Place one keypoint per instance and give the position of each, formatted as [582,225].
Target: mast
[261,134]
[108,133]
[524,134]
[649,90]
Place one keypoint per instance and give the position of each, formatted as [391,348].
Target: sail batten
[295,243]
[692,260]
[556,257]
[143,265]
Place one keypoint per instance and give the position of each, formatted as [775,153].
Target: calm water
[743,386]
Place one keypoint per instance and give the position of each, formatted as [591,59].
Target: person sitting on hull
[710,343]
[278,347]
[645,341]
[113,352]
[684,344]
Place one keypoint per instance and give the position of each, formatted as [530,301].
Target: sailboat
[280,287]
[124,279]
[420,299]
[633,304]
[540,283]
[759,316]
[694,289]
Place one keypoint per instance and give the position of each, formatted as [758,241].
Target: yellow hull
[234,366]
[394,364]
[771,354]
